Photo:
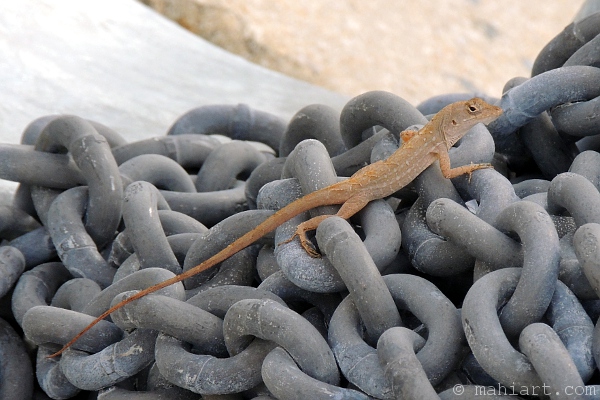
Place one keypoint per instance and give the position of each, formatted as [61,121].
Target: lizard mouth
[499,112]
[491,118]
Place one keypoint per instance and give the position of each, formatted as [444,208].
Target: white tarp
[120,63]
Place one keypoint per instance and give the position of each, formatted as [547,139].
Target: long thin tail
[312,200]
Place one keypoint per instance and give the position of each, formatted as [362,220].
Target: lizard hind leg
[347,210]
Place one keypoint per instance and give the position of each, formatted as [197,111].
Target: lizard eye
[472,108]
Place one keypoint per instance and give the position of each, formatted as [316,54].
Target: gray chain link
[482,287]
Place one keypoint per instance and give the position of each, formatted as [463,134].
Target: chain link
[478,287]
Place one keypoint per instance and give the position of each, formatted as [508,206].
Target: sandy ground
[413,49]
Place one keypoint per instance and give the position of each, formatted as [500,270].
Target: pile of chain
[476,288]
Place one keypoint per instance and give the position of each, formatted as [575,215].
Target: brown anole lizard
[383,178]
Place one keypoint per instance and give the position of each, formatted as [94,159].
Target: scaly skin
[420,149]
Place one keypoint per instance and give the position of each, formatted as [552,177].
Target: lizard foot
[310,250]
[304,242]
[475,167]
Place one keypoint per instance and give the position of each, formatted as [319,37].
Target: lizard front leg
[450,172]
[353,205]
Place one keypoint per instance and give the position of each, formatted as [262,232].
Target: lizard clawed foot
[310,250]
[306,244]
[475,167]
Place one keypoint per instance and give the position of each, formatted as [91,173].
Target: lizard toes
[310,250]
[288,240]
[313,253]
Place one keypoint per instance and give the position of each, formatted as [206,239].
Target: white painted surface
[122,64]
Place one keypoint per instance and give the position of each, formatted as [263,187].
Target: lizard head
[463,115]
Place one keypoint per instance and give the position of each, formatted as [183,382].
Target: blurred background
[137,65]
[415,49]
